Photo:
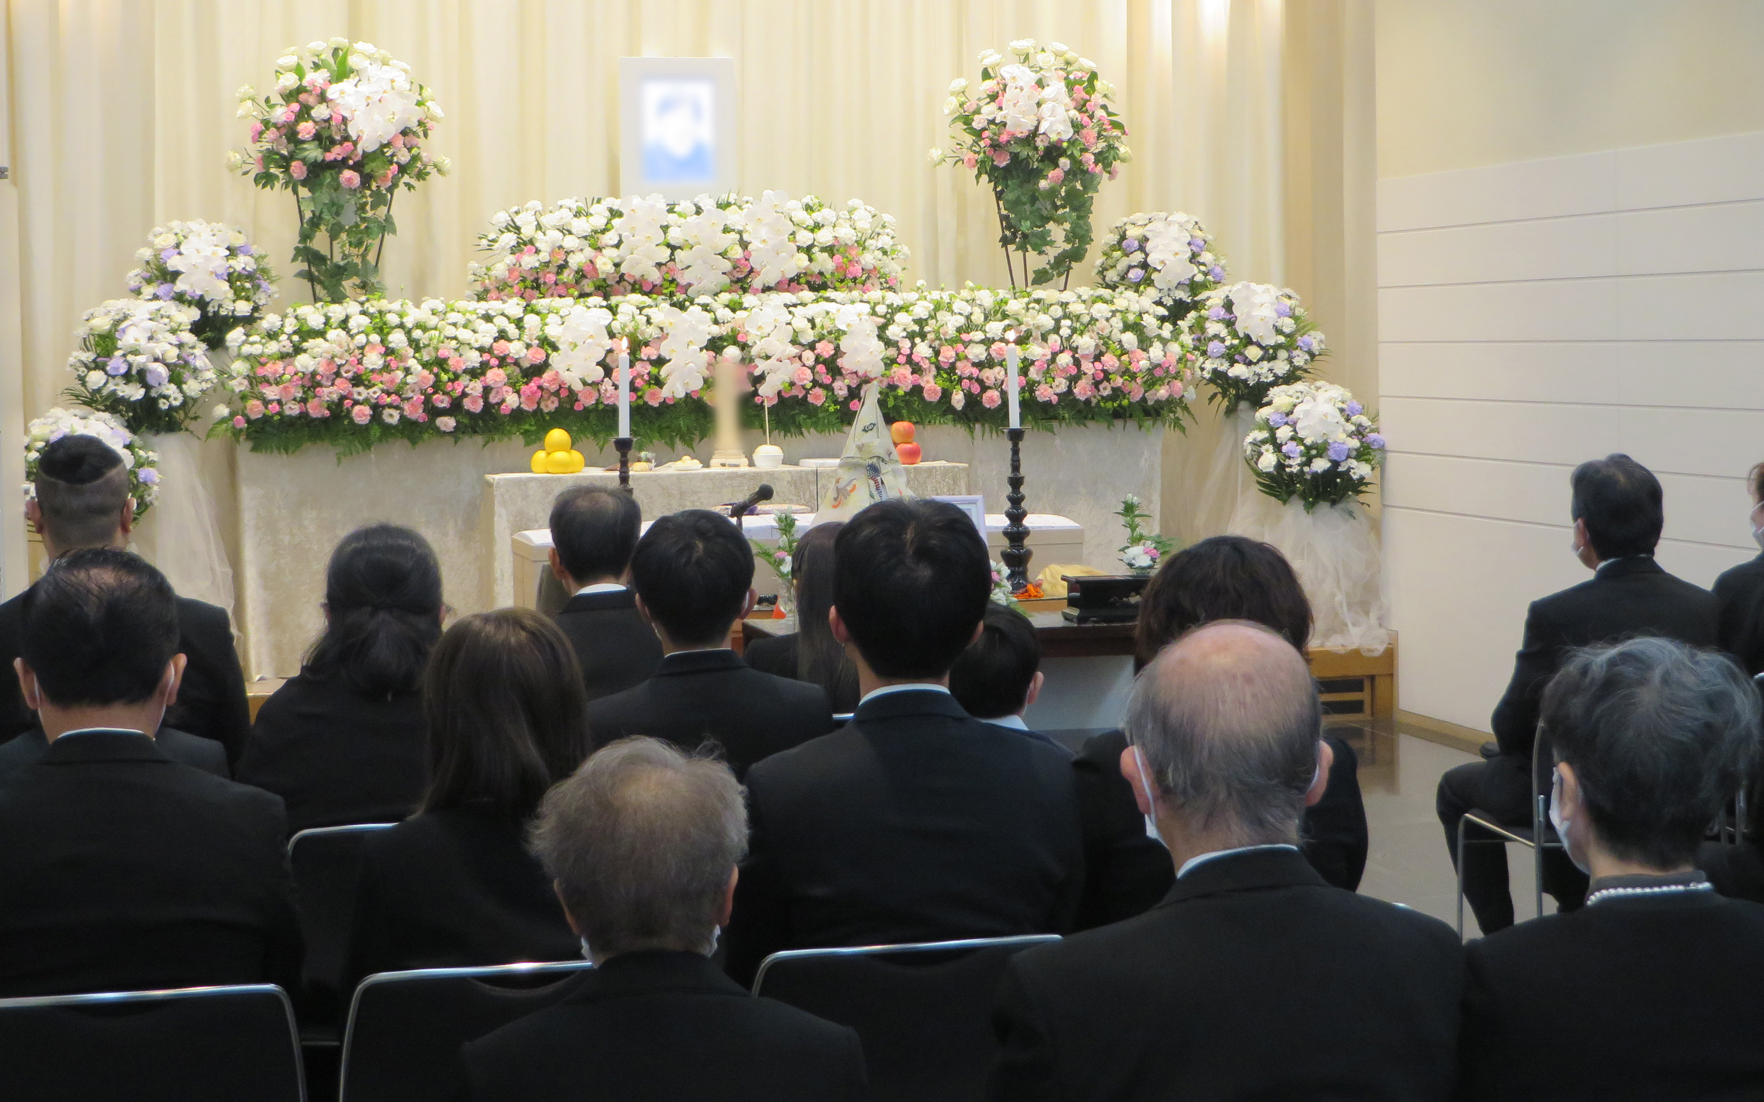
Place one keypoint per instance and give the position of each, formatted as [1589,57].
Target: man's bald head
[1228,720]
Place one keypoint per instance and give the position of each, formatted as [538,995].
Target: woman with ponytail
[342,741]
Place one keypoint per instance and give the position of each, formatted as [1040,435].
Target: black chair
[185,1045]
[406,1028]
[1537,837]
[923,1010]
[326,864]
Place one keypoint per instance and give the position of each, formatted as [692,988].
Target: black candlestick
[1016,556]
[623,444]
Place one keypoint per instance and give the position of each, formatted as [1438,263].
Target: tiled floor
[1408,863]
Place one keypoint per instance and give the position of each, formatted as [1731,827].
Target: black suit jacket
[915,822]
[335,757]
[1633,997]
[1739,594]
[615,645]
[1252,980]
[124,870]
[180,746]
[1625,597]
[703,695]
[1127,873]
[211,700]
[666,1027]
[451,889]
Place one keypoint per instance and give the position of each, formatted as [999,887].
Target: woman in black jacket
[342,741]
[454,885]
[810,653]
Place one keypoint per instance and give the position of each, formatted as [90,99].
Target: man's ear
[34,514]
[752,599]
[729,898]
[557,890]
[1035,684]
[127,524]
[558,572]
[27,685]
[643,610]
[1325,759]
[1136,780]
[840,631]
[978,628]
[174,678]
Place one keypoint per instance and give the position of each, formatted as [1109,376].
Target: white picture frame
[972,504]
[679,126]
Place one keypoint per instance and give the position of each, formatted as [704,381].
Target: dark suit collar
[600,602]
[103,746]
[649,971]
[1268,868]
[909,703]
[1627,565]
[699,661]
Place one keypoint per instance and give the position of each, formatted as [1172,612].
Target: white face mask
[1758,536]
[1151,821]
[1558,821]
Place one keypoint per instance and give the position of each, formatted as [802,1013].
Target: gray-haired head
[1228,720]
[1660,736]
[641,841]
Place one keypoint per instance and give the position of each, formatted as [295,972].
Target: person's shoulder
[785,1020]
[202,616]
[625,702]
[807,760]
[1746,575]
[12,611]
[1397,923]
[788,689]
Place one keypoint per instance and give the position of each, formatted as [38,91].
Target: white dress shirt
[913,687]
[601,587]
[1203,858]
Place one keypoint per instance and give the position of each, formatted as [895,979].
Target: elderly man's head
[1228,722]
[1651,738]
[642,842]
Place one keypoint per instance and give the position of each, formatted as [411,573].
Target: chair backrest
[406,1028]
[185,1045]
[326,863]
[923,1011]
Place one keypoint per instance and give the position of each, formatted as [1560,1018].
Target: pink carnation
[990,399]
[445,424]
[349,178]
[306,130]
[297,169]
[474,403]
[362,414]
[932,392]
[817,397]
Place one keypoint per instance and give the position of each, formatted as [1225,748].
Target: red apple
[909,452]
[901,432]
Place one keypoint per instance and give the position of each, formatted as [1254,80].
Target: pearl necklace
[1662,889]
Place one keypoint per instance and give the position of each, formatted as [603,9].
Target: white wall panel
[1535,315]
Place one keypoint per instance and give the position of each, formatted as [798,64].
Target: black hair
[1660,736]
[99,628]
[594,530]
[693,571]
[991,677]
[1222,578]
[911,580]
[506,713]
[1620,501]
[82,487]
[820,658]
[383,608]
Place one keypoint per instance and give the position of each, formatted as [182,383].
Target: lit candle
[1011,386]
[624,393]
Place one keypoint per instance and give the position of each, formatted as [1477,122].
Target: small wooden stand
[623,445]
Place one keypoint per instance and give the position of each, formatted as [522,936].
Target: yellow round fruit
[557,440]
[539,465]
[577,462]
[557,462]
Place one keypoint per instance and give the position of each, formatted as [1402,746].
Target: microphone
[761,493]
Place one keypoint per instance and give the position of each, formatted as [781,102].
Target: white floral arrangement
[644,245]
[355,373]
[1001,586]
[1251,338]
[1040,131]
[209,267]
[1313,441]
[141,360]
[142,463]
[1167,255]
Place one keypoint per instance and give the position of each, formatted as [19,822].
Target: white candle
[624,393]
[1011,386]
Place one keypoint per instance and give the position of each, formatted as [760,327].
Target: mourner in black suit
[182,747]
[694,576]
[82,500]
[1739,592]
[998,677]
[643,843]
[124,869]
[916,822]
[1221,578]
[810,653]
[593,533]
[1253,978]
[343,741]
[454,885]
[1617,521]
[1651,990]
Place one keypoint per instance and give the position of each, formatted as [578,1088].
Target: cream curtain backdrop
[122,112]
